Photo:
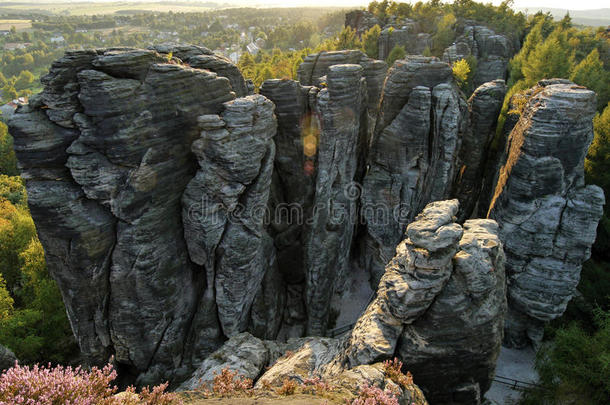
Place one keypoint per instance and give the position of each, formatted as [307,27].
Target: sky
[530,4]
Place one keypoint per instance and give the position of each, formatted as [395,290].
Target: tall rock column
[484,107]
[547,215]
[224,207]
[105,150]
[440,307]
[327,249]
[414,153]
[293,188]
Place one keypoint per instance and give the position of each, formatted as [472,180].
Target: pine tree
[398,52]
[370,42]
[590,73]
[347,39]
[549,59]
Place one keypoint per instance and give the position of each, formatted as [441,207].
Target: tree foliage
[8,161]
[575,367]
[370,42]
[33,321]
[461,72]
[398,52]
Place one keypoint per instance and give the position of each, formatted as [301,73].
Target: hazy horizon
[520,4]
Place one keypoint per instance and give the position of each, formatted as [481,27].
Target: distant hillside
[595,18]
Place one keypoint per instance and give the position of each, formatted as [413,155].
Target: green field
[18,24]
[90,8]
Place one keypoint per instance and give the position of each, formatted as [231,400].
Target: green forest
[33,322]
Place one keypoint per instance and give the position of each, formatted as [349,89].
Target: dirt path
[300,399]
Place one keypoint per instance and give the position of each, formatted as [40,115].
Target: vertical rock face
[492,52]
[547,215]
[406,35]
[484,108]
[224,206]
[442,274]
[317,65]
[413,154]
[361,21]
[106,152]
[293,187]
[327,249]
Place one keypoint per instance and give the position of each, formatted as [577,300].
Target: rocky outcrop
[414,153]
[361,21]
[316,66]
[484,108]
[406,35]
[342,111]
[492,52]
[202,58]
[7,358]
[293,187]
[547,215]
[442,274]
[314,358]
[106,153]
[269,363]
[224,205]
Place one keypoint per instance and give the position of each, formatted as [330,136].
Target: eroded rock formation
[492,52]
[106,152]
[547,216]
[442,274]
[414,153]
[176,211]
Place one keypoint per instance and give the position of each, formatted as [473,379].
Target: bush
[398,52]
[393,370]
[288,387]
[461,73]
[371,395]
[575,367]
[228,384]
[76,386]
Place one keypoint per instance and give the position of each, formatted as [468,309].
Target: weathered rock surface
[341,108]
[446,275]
[414,153]
[484,108]
[243,353]
[106,151]
[7,358]
[314,358]
[223,208]
[491,50]
[407,35]
[317,65]
[547,216]
[361,21]
[293,186]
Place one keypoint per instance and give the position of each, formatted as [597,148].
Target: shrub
[393,370]
[229,384]
[371,395]
[41,385]
[575,367]
[316,386]
[398,52]
[288,387]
